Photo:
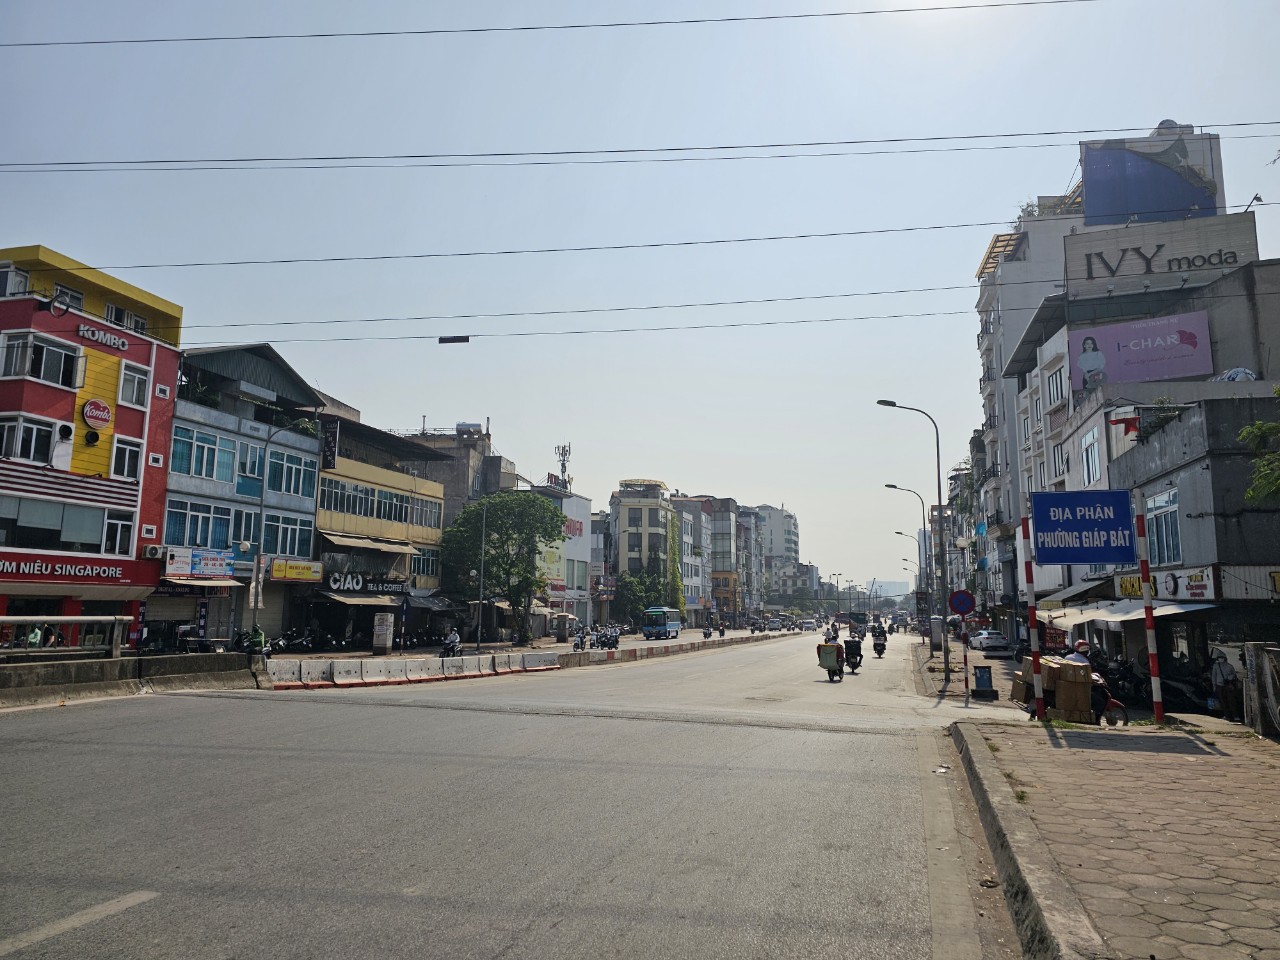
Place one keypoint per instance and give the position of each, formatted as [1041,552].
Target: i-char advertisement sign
[1083,526]
[1137,351]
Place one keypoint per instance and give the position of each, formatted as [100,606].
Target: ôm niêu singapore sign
[1083,526]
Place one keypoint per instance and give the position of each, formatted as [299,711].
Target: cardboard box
[1019,693]
[1072,696]
[1074,672]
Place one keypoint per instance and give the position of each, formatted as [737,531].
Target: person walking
[1226,685]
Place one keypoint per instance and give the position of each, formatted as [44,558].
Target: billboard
[1157,256]
[1139,351]
[1174,174]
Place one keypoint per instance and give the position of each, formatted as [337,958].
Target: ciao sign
[363,583]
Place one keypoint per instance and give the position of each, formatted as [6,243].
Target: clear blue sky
[776,414]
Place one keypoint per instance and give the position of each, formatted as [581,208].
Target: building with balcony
[567,564]
[470,468]
[379,526]
[88,374]
[781,532]
[641,517]
[695,558]
[243,468]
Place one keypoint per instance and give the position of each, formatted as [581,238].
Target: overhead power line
[540,27]
[622,154]
[515,251]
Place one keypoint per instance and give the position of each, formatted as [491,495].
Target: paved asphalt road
[731,803]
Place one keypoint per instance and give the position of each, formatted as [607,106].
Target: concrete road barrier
[549,660]
[285,674]
[423,671]
[382,671]
[504,663]
[316,674]
[453,667]
[473,667]
[347,673]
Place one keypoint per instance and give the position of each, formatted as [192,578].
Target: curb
[1049,918]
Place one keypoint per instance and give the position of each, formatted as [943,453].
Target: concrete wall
[33,683]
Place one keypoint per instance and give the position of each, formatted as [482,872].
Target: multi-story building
[379,526]
[695,558]
[726,593]
[567,564]
[603,577]
[751,560]
[781,532]
[88,372]
[243,468]
[470,468]
[640,516]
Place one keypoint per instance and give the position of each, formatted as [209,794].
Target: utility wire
[369,258]
[531,28]
[573,155]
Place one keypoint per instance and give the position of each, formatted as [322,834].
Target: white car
[990,641]
[809,625]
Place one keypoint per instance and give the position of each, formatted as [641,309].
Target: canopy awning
[369,543]
[203,581]
[438,604]
[1057,600]
[1068,617]
[1159,608]
[367,600]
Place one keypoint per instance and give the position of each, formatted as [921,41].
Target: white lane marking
[81,919]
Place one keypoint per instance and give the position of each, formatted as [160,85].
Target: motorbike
[853,653]
[1105,706]
[579,643]
[831,659]
[450,648]
[706,633]
[878,645]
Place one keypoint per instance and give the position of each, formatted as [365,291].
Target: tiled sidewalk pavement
[1170,838]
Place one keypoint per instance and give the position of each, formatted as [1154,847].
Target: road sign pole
[1153,656]
[1033,626]
[964,642]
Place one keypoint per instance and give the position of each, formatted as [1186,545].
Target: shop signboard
[297,571]
[16,565]
[1138,351]
[356,582]
[1195,583]
[1083,526]
[198,562]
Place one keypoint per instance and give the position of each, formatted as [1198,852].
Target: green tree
[516,527]
[675,576]
[635,592]
[1263,438]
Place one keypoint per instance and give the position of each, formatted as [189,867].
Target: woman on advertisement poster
[1091,364]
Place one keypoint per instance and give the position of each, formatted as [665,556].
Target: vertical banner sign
[329,446]
[202,619]
[404,621]
[1083,526]
[139,631]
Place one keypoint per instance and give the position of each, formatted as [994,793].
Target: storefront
[348,601]
[195,601]
[53,585]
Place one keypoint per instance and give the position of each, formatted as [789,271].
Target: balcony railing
[989,423]
[990,473]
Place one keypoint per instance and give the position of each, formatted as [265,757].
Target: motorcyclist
[853,651]
[1081,653]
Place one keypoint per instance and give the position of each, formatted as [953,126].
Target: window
[1026,429]
[1164,541]
[73,296]
[134,383]
[48,525]
[1036,404]
[1056,386]
[126,461]
[12,281]
[633,542]
[655,517]
[425,564]
[1059,460]
[190,524]
[1089,455]
[225,465]
[1040,478]
[633,565]
[290,473]
[635,517]
[244,527]
[22,438]
[250,460]
[28,355]
[118,539]
[286,536]
[124,318]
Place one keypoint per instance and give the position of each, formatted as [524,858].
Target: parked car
[990,641]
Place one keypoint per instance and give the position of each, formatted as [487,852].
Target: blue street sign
[1083,526]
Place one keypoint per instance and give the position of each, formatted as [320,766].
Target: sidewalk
[1133,842]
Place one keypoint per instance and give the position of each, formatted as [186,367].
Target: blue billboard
[1083,526]
[1169,176]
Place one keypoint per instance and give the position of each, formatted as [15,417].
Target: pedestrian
[1226,685]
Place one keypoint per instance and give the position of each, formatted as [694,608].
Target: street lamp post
[836,577]
[942,560]
[925,521]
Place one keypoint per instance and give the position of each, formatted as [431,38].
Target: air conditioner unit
[153,551]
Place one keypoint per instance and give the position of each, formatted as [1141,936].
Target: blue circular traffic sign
[962,602]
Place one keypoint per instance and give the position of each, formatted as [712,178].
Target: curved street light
[942,560]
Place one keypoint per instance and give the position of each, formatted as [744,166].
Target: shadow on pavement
[1119,742]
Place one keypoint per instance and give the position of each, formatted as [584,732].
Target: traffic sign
[1083,526]
[962,602]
